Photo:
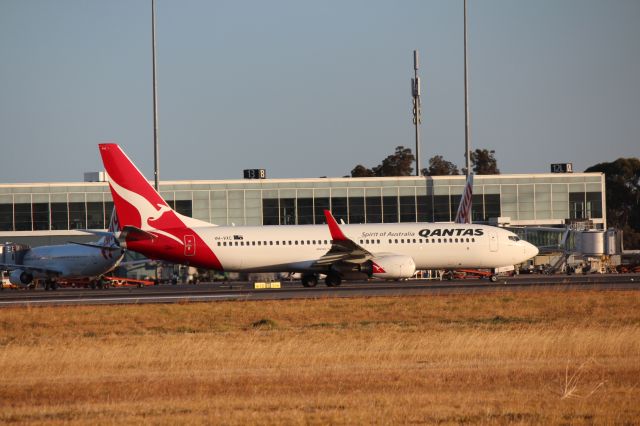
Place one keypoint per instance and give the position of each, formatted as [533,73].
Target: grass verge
[571,358]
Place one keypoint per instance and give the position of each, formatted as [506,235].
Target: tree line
[400,163]
[622,180]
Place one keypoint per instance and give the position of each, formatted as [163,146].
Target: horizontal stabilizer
[98,246]
[133,233]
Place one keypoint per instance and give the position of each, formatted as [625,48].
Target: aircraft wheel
[310,280]
[493,278]
[93,285]
[53,285]
[333,280]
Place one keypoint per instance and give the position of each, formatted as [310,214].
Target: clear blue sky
[306,89]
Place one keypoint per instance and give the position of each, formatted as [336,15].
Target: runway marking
[116,299]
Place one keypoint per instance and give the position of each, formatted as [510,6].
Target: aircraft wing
[97,246]
[96,232]
[11,267]
[342,248]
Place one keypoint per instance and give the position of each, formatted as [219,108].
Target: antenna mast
[415,93]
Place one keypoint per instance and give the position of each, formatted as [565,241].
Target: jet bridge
[12,253]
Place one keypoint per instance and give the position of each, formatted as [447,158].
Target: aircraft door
[189,245]
[493,241]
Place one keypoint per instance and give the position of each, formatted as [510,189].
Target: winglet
[334,228]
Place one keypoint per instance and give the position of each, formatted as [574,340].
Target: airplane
[390,251]
[63,261]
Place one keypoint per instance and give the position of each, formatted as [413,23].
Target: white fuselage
[71,260]
[430,245]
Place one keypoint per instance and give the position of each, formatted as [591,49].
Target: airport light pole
[415,93]
[156,163]
[467,149]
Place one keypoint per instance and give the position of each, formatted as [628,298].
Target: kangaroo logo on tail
[148,213]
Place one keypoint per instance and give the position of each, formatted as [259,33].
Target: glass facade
[546,199]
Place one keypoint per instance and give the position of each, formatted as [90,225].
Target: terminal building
[51,213]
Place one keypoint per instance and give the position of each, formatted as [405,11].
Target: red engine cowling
[391,267]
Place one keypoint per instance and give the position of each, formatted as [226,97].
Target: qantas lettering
[451,232]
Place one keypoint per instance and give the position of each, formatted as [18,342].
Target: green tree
[484,162]
[361,171]
[622,179]
[438,166]
[397,164]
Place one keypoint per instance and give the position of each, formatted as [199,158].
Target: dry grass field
[509,358]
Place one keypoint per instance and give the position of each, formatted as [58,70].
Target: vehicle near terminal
[71,261]
[4,280]
[389,250]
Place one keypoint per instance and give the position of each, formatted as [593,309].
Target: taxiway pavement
[209,292]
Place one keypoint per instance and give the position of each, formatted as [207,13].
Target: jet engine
[20,277]
[391,267]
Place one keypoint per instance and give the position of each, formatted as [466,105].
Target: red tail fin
[135,199]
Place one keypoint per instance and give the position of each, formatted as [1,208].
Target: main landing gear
[50,284]
[310,280]
[333,280]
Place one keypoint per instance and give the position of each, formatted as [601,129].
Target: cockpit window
[514,238]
